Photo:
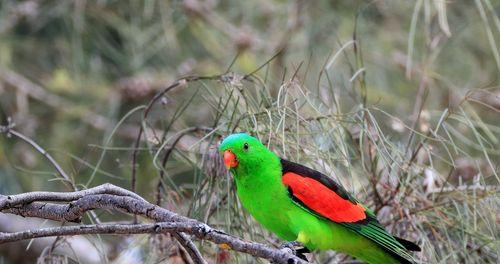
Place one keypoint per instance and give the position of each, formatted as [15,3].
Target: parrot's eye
[245,146]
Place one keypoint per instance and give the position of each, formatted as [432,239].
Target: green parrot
[300,204]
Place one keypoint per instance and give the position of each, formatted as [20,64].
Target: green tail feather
[373,230]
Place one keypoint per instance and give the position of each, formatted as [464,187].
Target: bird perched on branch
[300,204]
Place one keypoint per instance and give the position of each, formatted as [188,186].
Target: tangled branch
[72,206]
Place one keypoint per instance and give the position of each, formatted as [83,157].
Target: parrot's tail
[408,244]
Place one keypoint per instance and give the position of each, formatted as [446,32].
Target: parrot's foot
[296,249]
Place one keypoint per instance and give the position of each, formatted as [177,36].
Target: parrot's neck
[261,174]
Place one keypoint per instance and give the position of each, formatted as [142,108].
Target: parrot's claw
[291,244]
[296,248]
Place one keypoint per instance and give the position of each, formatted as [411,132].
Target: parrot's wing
[322,196]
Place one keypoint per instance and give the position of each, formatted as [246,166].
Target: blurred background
[397,100]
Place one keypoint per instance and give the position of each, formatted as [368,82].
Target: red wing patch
[323,200]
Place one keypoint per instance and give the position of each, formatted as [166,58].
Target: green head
[244,153]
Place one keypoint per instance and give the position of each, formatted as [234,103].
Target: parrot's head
[242,152]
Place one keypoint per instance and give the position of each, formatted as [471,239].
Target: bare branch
[94,229]
[198,229]
[33,205]
[25,198]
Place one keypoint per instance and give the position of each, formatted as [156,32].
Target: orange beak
[230,159]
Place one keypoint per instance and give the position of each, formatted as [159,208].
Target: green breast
[268,203]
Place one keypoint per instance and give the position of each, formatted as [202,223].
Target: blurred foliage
[406,93]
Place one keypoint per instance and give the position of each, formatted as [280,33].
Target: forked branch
[72,206]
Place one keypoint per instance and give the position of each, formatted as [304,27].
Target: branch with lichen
[72,206]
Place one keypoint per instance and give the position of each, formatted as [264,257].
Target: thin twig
[147,110]
[160,188]
[9,131]
[190,247]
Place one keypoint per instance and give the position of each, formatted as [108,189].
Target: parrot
[303,205]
